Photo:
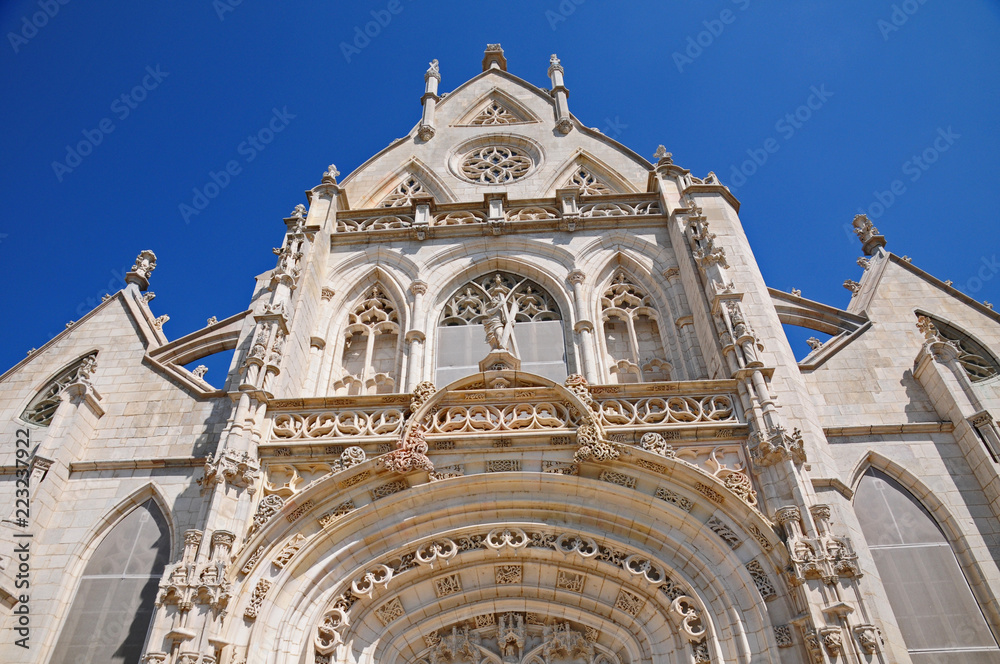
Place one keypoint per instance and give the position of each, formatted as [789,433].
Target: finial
[661,152]
[868,234]
[330,176]
[814,343]
[555,64]
[299,212]
[144,266]
[494,58]
[796,292]
[433,70]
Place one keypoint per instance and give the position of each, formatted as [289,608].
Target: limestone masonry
[512,394]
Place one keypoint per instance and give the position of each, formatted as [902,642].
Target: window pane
[934,607]
[113,607]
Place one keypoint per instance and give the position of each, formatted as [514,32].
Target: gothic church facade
[512,394]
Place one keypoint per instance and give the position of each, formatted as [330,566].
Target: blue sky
[901,92]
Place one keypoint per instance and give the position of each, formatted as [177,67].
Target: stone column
[584,327]
[561,94]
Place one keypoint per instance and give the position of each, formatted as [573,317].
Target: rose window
[496,164]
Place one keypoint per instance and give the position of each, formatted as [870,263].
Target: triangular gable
[497,108]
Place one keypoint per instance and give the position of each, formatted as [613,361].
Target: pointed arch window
[935,609]
[495,113]
[42,408]
[979,363]
[403,194]
[633,344]
[370,348]
[111,613]
[588,183]
[538,336]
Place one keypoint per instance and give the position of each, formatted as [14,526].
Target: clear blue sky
[894,77]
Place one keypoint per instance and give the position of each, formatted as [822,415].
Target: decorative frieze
[674,498]
[390,611]
[629,603]
[621,479]
[256,599]
[343,509]
[725,532]
[388,489]
[290,549]
[503,465]
[447,585]
[507,574]
[571,581]
[761,580]
[783,636]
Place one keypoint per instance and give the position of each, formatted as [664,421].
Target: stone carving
[160,320]
[252,560]
[629,412]
[293,516]
[512,417]
[440,550]
[511,635]
[558,468]
[299,213]
[686,612]
[375,223]
[495,113]
[410,453]
[739,483]
[388,489]
[725,532]
[42,407]
[761,580]
[447,472]
[290,549]
[455,648]
[496,164]
[852,286]
[327,519]
[336,424]
[814,343]
[833,640]
[775,445]
[619,209]
[588,184]
[145,263]
[330,176]
[485,620]
[236,468]
[404,193]
[503,465]
[501,538]
[629,603]
[783,636]
[498,302]
[592,447]
[447,585]
[655,443]
[864,228]
[379,575]
[389,611]
[421,394]
[507,574]
[328,635]
[674,498]
[868,638]
[561,642]
[621,479]
[531,213]
[267,508]
[256,599]
[570,581]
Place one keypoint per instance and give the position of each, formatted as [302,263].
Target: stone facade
[512,393]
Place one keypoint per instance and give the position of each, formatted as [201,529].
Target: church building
[512,394]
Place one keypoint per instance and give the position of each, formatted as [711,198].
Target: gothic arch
[608,176]
[521,113]
[89,543]
[976,358]
[385,295]
[50,388]
[478,271]
[430,182]
[624,268]
[712,574]
[944,519]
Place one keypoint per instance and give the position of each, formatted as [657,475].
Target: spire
[494,58]
[561,94]
[429,100]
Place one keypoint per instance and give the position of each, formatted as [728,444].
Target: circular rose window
[496,164]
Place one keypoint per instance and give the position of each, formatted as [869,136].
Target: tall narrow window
[934,606]
[110,615]
[371,346]
[632,341]
[505,302]
[43,407]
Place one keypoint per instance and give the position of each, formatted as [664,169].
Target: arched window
[934,606]
[633,344]
[979,363]
[370,351]
[110,615]
[537,332]
[43,407]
